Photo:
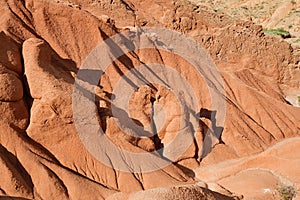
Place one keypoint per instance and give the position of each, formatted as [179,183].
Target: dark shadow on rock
[59,67]
[190,173]
[12,161]
[287,102]
[35,145]
[211,115]
[127,62]
[216,130]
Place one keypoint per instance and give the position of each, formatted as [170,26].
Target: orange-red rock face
[44,43]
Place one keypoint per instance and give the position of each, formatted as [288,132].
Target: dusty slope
[270,14]
[53,39]
[242,175]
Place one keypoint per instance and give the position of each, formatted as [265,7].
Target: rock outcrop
[44,43]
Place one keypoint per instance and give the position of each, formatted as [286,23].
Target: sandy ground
[270,14]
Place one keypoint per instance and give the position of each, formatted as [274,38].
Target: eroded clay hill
[44,43]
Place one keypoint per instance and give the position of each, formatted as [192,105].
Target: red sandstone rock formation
[44,43]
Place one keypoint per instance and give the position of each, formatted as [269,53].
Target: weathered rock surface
[44,43]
